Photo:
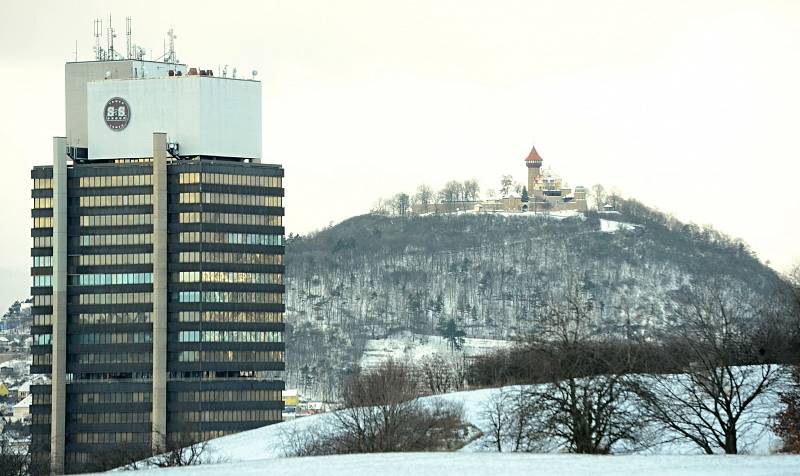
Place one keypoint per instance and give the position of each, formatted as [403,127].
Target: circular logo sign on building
[117,114]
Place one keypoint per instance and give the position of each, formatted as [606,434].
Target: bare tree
[15,457]
[382,413]
[718,395]
[598,195]
[506,182]
[471,189]
[583,409]
[442,374]
[424,197]
[180,450]
[400,204]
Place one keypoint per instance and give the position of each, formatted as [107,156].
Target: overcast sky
[692,107]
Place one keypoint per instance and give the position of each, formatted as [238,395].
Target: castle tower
[534,164]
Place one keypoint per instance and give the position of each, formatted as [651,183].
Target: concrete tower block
[159,290]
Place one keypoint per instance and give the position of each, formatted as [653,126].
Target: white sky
[692,107]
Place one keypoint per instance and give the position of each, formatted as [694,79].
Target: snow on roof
[25,402]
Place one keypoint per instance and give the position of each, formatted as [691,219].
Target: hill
[375,276]
[263,449]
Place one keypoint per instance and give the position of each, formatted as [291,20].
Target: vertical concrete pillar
[59,299]
[159,289]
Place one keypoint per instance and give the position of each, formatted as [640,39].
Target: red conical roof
[533,156]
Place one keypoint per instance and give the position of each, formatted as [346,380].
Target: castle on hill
[545,192]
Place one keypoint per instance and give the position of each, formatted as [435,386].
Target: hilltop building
[158,293]
[545,192]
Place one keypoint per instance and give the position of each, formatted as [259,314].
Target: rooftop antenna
[128,43]
[76,51]
[171,57]
[111,35]
[98,32]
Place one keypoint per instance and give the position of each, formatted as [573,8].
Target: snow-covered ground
[413,348]
[268,442]
[505,464]
[610,226]
[263,450]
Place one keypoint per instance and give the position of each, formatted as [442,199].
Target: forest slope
[373,276]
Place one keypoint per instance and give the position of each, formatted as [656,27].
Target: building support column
[58,396]
[159,291]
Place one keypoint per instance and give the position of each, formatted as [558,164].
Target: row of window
[43,280]
[97,338]
[230,179]
[229,257]
[42,359]
[117,240]
[227,415]
[42,319]
[117,220]
[42,339]
[115,318]
[111,279]
[42,241]
[116,259]
[41,183]
[229,396]
[230,336]
[230,296]
[113,358]
[108,438]
[115,200]
[107,418]
[116,181]
[231,199]
[40,398]
[43,222]
[230,218]
[40,419]
[43,300]
[116,298]
[229,316]
[117,397]
[105,376]
[42,261]
[230,356]
[43,202]
[227,277]
[231,238]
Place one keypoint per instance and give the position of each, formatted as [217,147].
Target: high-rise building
[157,265]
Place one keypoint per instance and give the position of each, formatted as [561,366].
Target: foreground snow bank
[506,464]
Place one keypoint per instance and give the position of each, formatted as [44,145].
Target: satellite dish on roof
[255,73]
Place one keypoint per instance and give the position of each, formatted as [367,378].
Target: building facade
[158,293]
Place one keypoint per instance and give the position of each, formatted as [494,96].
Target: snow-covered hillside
[415,347]
[263,450]
[505,464]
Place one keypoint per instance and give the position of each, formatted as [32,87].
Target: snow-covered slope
[505,464]
[263,451]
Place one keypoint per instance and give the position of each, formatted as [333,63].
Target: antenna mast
[98,32]
[128,37]
[171,57]
[111,35]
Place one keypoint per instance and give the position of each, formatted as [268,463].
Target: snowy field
[415,347]
[263,451]
[503,464]
[611,226]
